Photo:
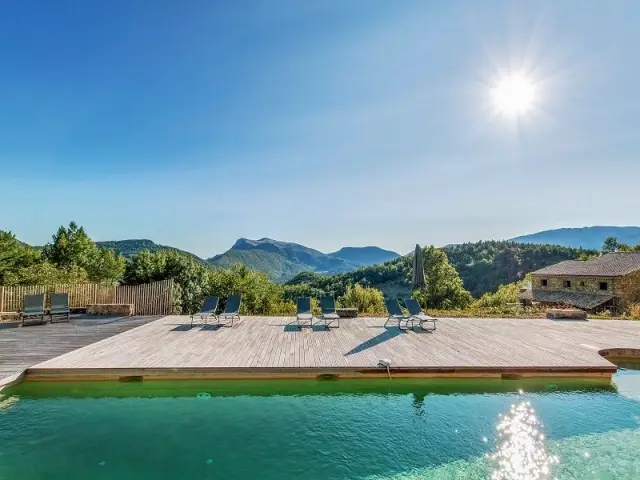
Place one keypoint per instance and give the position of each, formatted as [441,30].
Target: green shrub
[260,296]
[189,276]
[365,299]
[505,294]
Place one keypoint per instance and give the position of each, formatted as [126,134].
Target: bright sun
[513,95]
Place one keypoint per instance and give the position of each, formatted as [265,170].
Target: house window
[544,282]
[582,284]
[604,286]
[567,284]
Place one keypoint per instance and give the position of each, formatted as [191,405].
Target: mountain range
[284,260]
[590,238]
[279,260]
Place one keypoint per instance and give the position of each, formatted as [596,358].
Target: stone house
[609,282]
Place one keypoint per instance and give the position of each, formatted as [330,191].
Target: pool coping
[263,373]
[12,380]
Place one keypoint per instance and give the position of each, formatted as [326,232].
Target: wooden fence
[149,299]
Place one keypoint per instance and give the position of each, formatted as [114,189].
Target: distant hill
[276,266]
[585,237]
[283,260]
[130,247]
[362,256]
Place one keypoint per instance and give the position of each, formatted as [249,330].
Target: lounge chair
[33,307]
[328,307]
[415,310]
[232,308]
[303,311]
[208,309]
[396,313]
[59,305]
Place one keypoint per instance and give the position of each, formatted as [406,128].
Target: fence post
[170,306]
[1,299]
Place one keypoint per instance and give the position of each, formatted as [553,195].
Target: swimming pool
[391,429]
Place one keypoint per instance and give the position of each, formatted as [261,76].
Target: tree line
[70,257]
[454,274]
[73,257]
[612,245]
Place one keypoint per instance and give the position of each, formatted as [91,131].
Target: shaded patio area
[22,347]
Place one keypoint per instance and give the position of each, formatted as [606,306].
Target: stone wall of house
[629,288]
[578,284]
[626,289]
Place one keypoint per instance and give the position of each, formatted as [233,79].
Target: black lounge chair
[415,310]
[303,311]
[33,307]
[395,313]
[329,314]
[59,306]
[232,308]
[208,309]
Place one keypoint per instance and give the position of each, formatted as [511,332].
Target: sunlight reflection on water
[521,452]
[6,403]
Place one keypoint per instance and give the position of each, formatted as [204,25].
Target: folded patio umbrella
[418,268]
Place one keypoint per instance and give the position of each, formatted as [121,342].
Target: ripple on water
[611,455]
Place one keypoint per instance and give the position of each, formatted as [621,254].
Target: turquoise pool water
[322,430]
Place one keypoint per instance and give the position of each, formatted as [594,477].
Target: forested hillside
[483,267]
[274,265]
[128,248]
[390,277]
[443,289]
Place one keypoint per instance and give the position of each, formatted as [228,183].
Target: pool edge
[11,380]
[262,373]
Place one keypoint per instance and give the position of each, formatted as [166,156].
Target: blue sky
[327,123]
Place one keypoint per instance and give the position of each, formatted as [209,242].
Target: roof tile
[608,265]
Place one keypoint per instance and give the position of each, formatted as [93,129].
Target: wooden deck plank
[23,347]
[269,342]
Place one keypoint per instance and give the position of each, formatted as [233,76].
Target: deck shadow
[9,325]
[211,327]
[85,321]
[294,327]
[182,328]
[34,323]
[561,320]
[388,334]
[420,331]
[321,328]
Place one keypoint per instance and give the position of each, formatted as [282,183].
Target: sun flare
[513,94]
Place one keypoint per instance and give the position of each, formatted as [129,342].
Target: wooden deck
[271,347]
[26,346]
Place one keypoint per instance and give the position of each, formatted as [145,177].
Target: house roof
[584,300]
[608,265]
